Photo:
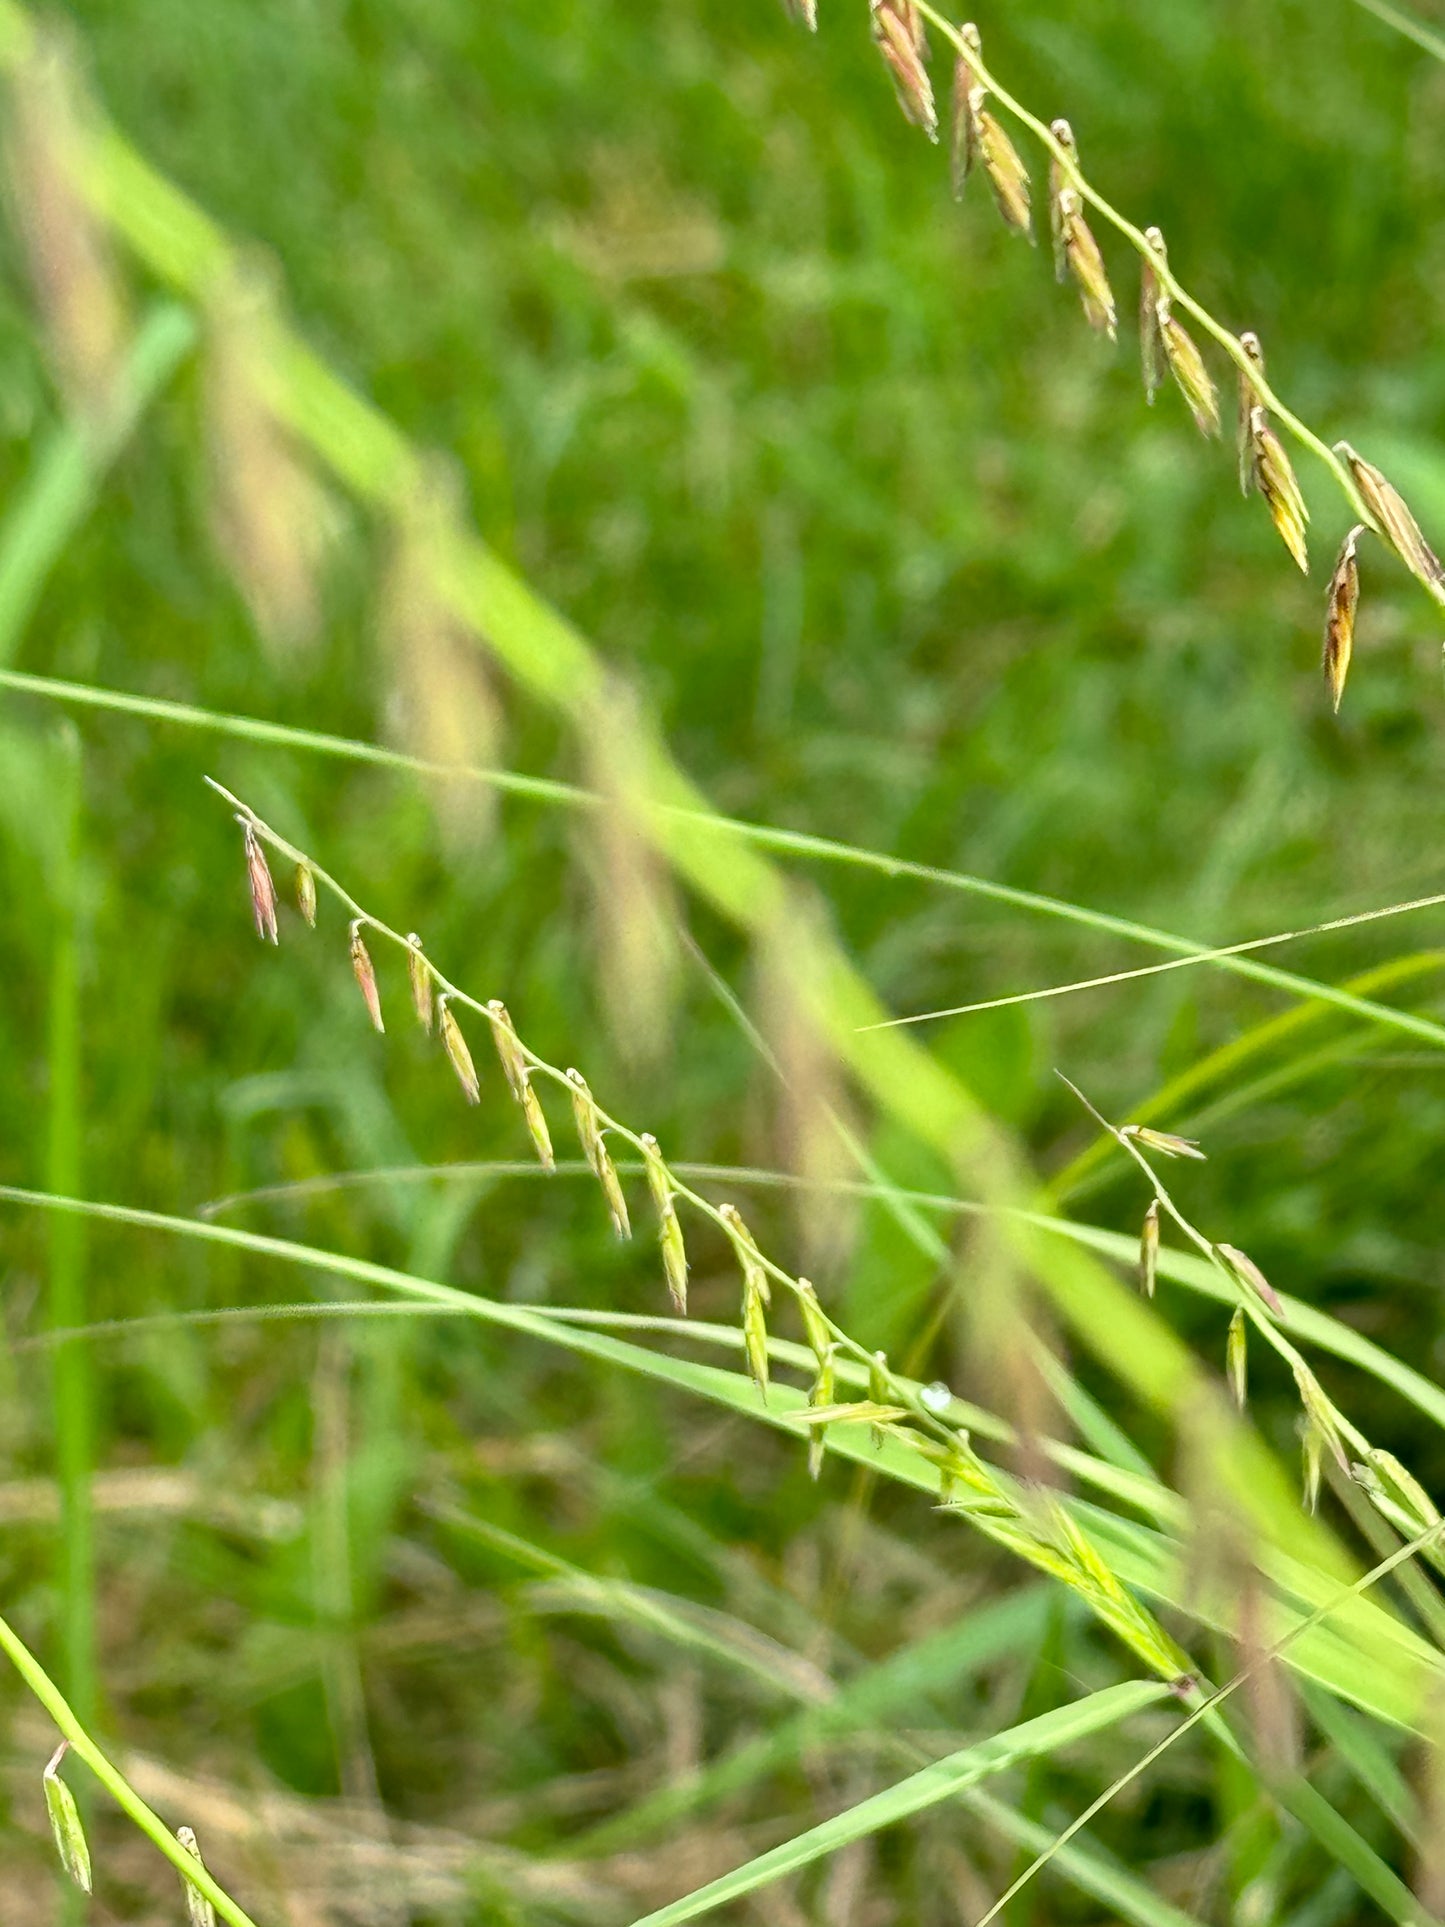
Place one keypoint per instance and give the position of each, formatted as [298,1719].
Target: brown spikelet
[669,1231]
[365,976]
[1062,179]
[898,34]
[458,1055]
[1248,400]
[1395,522]
[1149,1249]
[1085,263]
[1153,308]
[306,893]
[594,1149]
[1237,1358]
[419,973]
[965,138]
[1276,482]
[1248,1273]
[1007,175]
[1343,602]
[518,1074]
[263,890]
[1195,382]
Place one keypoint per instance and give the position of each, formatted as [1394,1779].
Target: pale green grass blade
[942,1781]
[1407,24]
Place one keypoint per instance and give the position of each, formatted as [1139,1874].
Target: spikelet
[1276,482]
[519,1081]
[1321,1413]
[965,136]
[458,1055]
[70,1841]
[755,1272]
[815,1325]
[880,1390]
[594,1149]
[419,973]
[1342,603]
[1248,400]
[263,890]
[1007,175]
[1312,1452]
[1409,1489]
[822,1393]
[1086,264]
[199,1911]
[898,35]
[1149,1249]
[1194,380]
[1395,522]
[1247,1273]
[306,893]
[805,11]
[365,975]
[1153,308]
[1061,182]
[1236,1358]
[1168,1143]
[669,1231]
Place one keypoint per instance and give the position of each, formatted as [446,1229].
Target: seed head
[419,972]
[594,1149]
[365,975]
[1321,1414]
[518,1074]
[1085,263]
[1413,1495]
[455,1046]
[1248,1273]
[1237,1358]
[1247,403]
[755,1329]
[199,1911]
[965,138]
[815,1325]
[70,1841]
[306,893]
[263,890]
[1396,523]
[669,1231]
[1165,1142]
[823,1392]
[1276,482]
[1153,310]
[898,34]
[1007,175]
[1062,179]
[1195,383]
[1149,1249]
[1342,604]
[755,1272]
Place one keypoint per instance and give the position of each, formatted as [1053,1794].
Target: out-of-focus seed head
[594,1149]
[1061,180]
[1007,175]
[1276,482]
[898,34]
[1167,1143]
[1083,260]
[1342,603]
[1149,1249]
[365,975]
[70,1841]
[669,1231]
[1153,309]
[306,893]
[805,11]
[1395,522]
[418,971]
[1194,379]
[458,1055]
[199,1911]
[1248,400]
[263,889]
[1237,1357]
[1247,1272]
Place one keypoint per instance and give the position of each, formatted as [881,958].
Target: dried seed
[1343,602]
[669,1231]
[306,893]
[1007,174]
[1149,1249]
[1165,1142]
[263,890]
[898,34]
[419,971]
[815,1325]
[70,1842]
[965,138]
[1061,182]
[1249,1274]
[365,975]
[594,1149]
[1237,1357]
[1277,484]
[1084,261]
[455,1046]
[1195,382]
[199,1911]
[822,1394]
[1248,400]
[1396,523]
[1153,308]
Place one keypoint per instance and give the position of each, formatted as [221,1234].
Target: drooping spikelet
[518,1074]
[1007,175]
[1195,382]
[1343,602]
[306,893]
[263,890]
[1153,307]
[1149,1249]
[1248,401]
[594,1149]
[65,1825]
[1083,260]
[458,1055]
[419,973]
[965,138]
[1247,1272]
[899,37]
[669,1231]
[1396,523]
[1237,1358]
[1062,179]
[365,975]
[1276,482]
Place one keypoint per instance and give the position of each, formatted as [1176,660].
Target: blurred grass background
[901,557]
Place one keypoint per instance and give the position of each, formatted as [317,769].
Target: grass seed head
[1247,1272]
[898,34]
[1167,1143]
[458,1055]
[815,1325]
[1276,482]
[263,889]
[964,136]
[1061,179]
[1248,400]
[518,1074]
[199,1911]
[365,975]
[1342,603]
[755,1272]
[1396,523]
[1194,380]
[419,972]
[1411,1494]
[1237,1357]
[1149,1249]
[755,1332]
[594,1149]
[70,1841]
[306,893]
[1083,260]
[1007,175]
[1153,309]
[823,1392]
[669,1231]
